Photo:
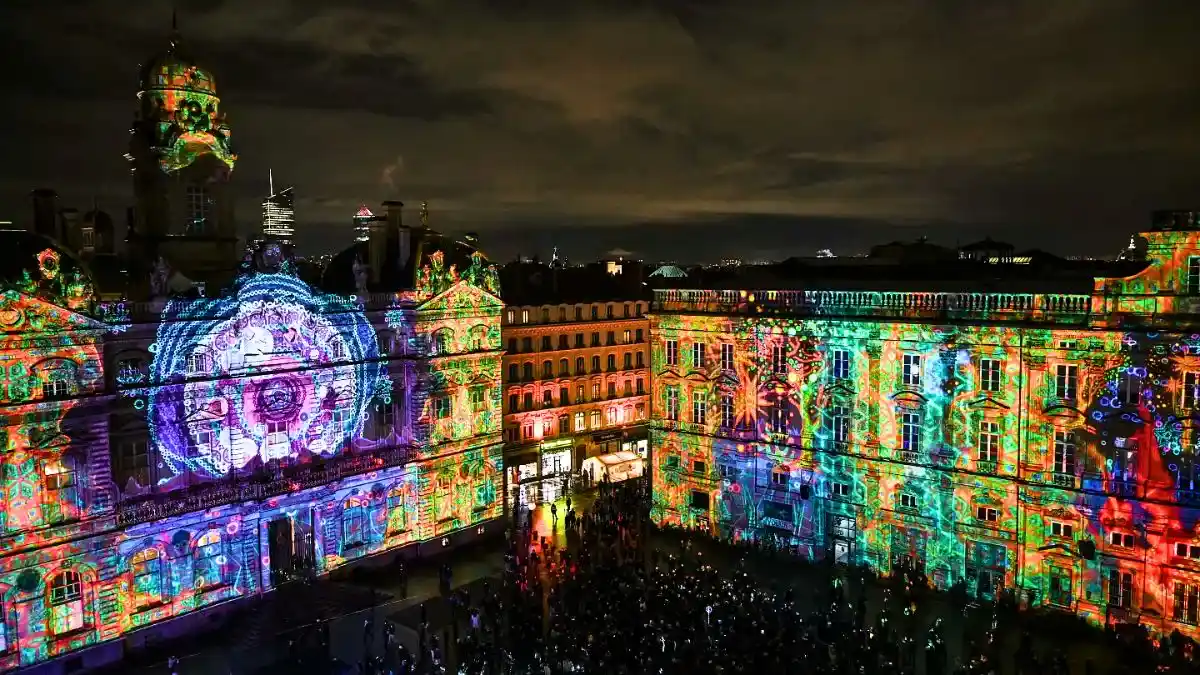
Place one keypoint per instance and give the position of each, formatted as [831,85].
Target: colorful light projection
[270,372]
[995,456]
[182,105]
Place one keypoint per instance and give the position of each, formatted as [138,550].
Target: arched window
[65,599]
[547,369]
[146,567]
[514,373]
[443,341]
[527,370]
[199,362]
[479,339]
[207,556]
[354,523]
[58,378]
[564,367]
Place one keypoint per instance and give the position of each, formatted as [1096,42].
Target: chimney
[45,213]
[69,235]
[376,247]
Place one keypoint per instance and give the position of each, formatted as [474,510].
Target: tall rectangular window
[1064,453]
[910,431]
[580,424]
[838,420]
[1066,381]
[699,407]
[197,204]
[727,411]
[989,375]
[839,364]
[672,402]
[1191,284]
[1129,386]
[698,355]
[777,416]
[779,359]
[672,352]
[912,370]
[1188,394]
[726,356]
[989,441]
[1186,608]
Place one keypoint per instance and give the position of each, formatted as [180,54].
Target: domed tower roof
[175,69]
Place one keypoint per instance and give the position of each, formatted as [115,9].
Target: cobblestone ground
[257,650]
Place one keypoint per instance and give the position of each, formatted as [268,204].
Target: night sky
[683,129]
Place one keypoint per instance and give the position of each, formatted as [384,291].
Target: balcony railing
[1024,306]
[255,488]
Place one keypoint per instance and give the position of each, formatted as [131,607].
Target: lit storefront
[542,476]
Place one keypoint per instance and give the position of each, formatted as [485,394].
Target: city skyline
[761,119]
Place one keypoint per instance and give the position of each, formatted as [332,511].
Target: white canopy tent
[618,466]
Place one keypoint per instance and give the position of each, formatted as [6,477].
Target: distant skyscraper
[362,223]
[279,214]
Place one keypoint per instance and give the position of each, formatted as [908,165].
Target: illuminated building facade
[166,455]
[576,385]
[1043,441]
[279,215]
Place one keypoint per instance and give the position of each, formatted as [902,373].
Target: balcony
[256,488]
[986,466]
[1067,480]
[909,456]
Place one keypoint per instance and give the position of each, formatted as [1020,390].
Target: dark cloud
[649,125]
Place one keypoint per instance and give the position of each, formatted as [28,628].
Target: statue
[158,278]
[360,277]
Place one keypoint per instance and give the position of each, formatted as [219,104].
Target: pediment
[461,296]
[839,388]
[987,403]
[21,313]
[1062,411]
[909,398]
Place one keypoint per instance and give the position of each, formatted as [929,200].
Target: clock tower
[181,158]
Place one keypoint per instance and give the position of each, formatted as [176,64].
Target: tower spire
[174,28]
[271,182]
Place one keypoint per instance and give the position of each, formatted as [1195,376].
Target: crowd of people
[613,601]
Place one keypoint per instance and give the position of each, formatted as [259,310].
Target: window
[699,466]
[207,557]
[66,602]
[579,314]
[1066,381]
[1191,387]
[610,338]
[779,477]
[628,388]
[986,514]
[133,461]
[726,406]
[595,364]
[1062,530]
[354,524]
[637,335]
[3,629]
[198,205]
[608,311]
[594,419]
[546,346]
[563,342]
[1129,386]
[641,385]
[595,391]
[727,471]
[839,489]
[699,408]
[778,359]
[628,360]
[839,364]
[511,316]
[595,339]
[527,344]
[512,344]
[579,340]
[641,360]
[989,375]
[726,356]
[1064,453]
[612,389]
[527,371]
[625,337]
[1060,587]
[1121,539]
[625,311]
[443,342]
[698,355]
[397,516]
[580,425]
[514,403]
[385,418]
[441,406]
[908,501]
[62,492]
[699,500]
[673,402]
[564,396]
[777,416]
[564,367]
[131,370]
[1191,285]
[545,319]
[146,567]
[203,437]
[579,397]
[564,424]
[838,421]
[672,352]
[524,316]
[579,365]
[912,370]
[276,434]
[611,415]
[1187,551]
[910,431]
[1120,589]
[514,373]
[612,362]
[477,396]
[989,441]
[547,369]
[1187,595]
